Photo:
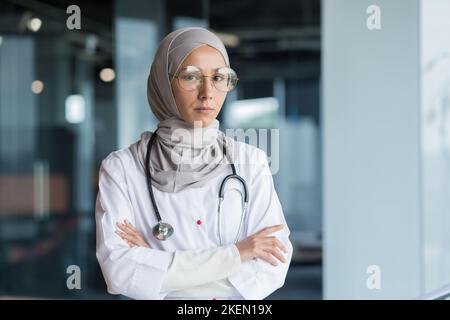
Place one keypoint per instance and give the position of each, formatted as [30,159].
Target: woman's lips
[204,110]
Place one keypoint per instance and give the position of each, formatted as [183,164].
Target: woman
[191,256]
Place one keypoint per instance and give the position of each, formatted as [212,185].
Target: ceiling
[281,32]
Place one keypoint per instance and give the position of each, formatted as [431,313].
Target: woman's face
[204,103]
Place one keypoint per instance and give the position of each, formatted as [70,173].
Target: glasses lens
[225,79]
[190,79]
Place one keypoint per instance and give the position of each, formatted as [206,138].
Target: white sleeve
[197,267]
[136,272]
[258,278]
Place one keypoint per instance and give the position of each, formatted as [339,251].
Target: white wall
[371,150]
[435,121]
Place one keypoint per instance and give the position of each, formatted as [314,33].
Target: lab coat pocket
[231,218]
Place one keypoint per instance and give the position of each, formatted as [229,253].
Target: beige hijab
[182,156]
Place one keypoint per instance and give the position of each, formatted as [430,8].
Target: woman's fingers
[127,236]
[268,230]
[269,253]
[125,228]
[281,245]
[276,243]
[127,223]
[131,238]
[260,245]
[129,229]
[135,238]
[268,257]
[277,254]
[271,246]
[131,244]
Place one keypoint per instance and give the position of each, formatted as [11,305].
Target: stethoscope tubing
[234,175]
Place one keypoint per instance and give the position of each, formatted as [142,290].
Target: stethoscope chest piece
[162,231]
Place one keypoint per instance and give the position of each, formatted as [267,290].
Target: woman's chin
[202,121]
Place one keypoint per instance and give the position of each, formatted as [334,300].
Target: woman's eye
[190,77]
[218,78]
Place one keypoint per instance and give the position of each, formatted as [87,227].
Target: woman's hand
[262,246]
[131,235]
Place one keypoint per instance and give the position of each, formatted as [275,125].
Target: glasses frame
[203,76]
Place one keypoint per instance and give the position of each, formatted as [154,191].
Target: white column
[372,187]
[435,133]
[386,117]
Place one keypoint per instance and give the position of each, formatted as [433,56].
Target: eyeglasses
[191,78]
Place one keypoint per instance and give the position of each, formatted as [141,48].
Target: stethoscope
[163,230]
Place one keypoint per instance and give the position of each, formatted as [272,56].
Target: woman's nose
[206,89]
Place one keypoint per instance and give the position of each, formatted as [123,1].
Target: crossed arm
[259,245]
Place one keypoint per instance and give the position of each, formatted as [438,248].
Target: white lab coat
[139,272]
